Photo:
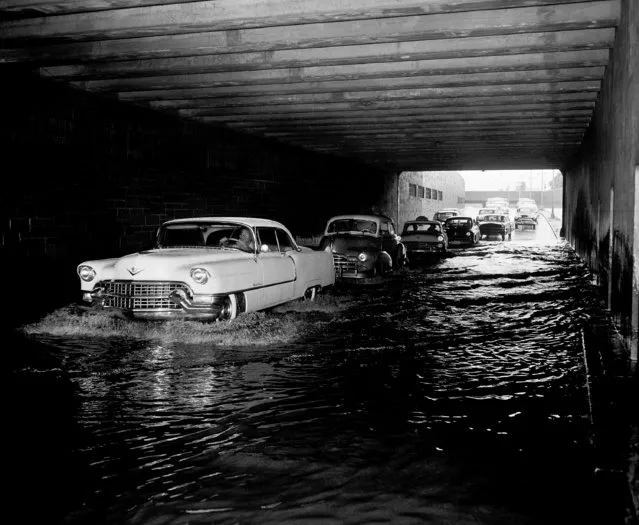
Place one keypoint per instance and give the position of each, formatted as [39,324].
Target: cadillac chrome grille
[344,264]
[142,295]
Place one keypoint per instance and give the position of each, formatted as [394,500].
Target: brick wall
[87,177]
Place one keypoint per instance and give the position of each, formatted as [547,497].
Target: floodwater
[450,393]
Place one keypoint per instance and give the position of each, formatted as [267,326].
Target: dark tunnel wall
[606,162]
[86,177]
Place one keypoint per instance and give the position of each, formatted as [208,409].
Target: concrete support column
[634,336]
[611,245]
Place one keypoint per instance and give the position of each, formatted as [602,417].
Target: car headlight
[467,234]
[200,275]
[362,257]
[440,238]
[86,273]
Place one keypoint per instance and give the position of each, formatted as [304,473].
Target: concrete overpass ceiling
[407,85]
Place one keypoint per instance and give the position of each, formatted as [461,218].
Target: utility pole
[530,185]
[552,197]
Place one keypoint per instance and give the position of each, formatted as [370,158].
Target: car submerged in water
[446,213]
[526,217]
[463,230]
[207,268]
[363,246]
[424,238]
[496,224]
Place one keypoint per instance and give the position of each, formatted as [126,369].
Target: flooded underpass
[452,392]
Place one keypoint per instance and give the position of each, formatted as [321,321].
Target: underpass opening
[424,193]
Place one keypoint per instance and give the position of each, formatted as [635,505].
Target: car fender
[313,268]
[384,259]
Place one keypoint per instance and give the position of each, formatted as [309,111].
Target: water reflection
[453,392]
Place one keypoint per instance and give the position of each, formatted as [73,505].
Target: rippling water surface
[453,392]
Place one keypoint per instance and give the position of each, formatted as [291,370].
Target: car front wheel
[228,312]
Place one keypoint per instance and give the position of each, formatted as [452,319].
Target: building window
[420,192]
[428,193]
[441,195]
[412,190]
[434,195]
[460,200]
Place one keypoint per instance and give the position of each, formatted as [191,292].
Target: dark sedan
[423,238]
[495,225]
[462,230]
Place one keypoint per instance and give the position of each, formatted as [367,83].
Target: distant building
[425,192]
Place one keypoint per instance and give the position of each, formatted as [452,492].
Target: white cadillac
[208,268]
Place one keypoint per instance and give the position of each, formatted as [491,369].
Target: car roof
[361,216]
[247,221]
[421,222]
[459,217]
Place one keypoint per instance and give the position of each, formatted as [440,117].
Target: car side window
[385,229]
[285,241]
[266,236]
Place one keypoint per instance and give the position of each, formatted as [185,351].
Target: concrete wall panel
[601,227]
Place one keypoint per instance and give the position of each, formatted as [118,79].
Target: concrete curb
[612,385]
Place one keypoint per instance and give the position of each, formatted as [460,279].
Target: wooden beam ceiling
[411,85]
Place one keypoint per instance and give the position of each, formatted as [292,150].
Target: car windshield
[352,226]
[203,234]
[459,223]
[494,218]
[526,210]
[422,227]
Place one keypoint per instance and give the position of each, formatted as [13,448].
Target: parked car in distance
[445,213]
[526,217]
[462,230]
[497,201]
[485,211]
[423,238]
[524,201]
[208,268]
[495,225]
[363,245]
